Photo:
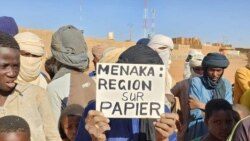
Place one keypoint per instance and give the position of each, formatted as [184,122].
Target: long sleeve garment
[31,103]
[198,91]
[72,88]
[181,90]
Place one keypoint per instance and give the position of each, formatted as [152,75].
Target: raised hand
[165,126]
[96,125]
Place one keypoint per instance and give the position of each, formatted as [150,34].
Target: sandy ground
[178,56]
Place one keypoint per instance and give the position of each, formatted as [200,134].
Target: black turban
[215,60]
[140,54]
[143,41]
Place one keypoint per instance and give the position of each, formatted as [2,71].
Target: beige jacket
[31,103]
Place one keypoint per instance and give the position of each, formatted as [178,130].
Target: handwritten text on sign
[130,90]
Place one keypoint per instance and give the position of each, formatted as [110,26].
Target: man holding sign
[130,90]
[131,96]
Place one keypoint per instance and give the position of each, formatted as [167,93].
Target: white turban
[196,61]
[160,41]
[194,52]
[187,70]
[163,45]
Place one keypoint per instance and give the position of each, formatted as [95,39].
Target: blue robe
[196,127]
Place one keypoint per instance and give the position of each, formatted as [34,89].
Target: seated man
[94,125]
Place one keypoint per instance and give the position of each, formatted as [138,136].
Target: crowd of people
[60,104]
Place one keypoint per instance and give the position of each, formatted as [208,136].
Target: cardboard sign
[130,90]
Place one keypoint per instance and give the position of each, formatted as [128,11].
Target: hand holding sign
[96,124]
[165,126]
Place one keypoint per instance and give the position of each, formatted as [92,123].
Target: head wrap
[112,54]
[215,60]
[98,51]
[69,48]
[194,52]
[139,54]
[163,45]
[142,41]
[195,62]
[31,43]
[160,41]
[8,25]
[30,69]
[187,68]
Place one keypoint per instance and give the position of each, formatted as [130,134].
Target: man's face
[220,124]
[9,68]
[215,73]
[14,136]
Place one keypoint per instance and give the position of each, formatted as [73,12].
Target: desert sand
[178,55]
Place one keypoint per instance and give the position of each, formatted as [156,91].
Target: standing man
[27,101]
[242,81]
[70,85]
[181,90]
[94,126]
[203,89]
[163,45]
[32,54]
[191,54]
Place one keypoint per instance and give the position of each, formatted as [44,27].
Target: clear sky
[225,21]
